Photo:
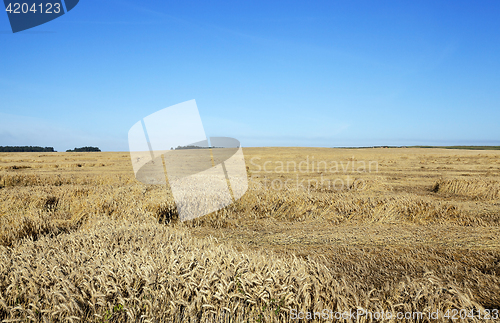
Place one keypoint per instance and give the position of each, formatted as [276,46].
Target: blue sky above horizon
[281,73]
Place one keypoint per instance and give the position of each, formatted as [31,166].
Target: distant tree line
[15,149]
[191,147]
[83,149]
[442,147]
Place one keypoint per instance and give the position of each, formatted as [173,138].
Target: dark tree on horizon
[83,149]
[18,149]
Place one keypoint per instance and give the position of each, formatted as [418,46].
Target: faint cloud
[216,126]
[20,130]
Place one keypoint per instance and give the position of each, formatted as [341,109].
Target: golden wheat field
[319,232]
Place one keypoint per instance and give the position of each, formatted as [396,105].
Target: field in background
[418,231]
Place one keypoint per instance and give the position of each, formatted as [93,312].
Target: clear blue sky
[269,73]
